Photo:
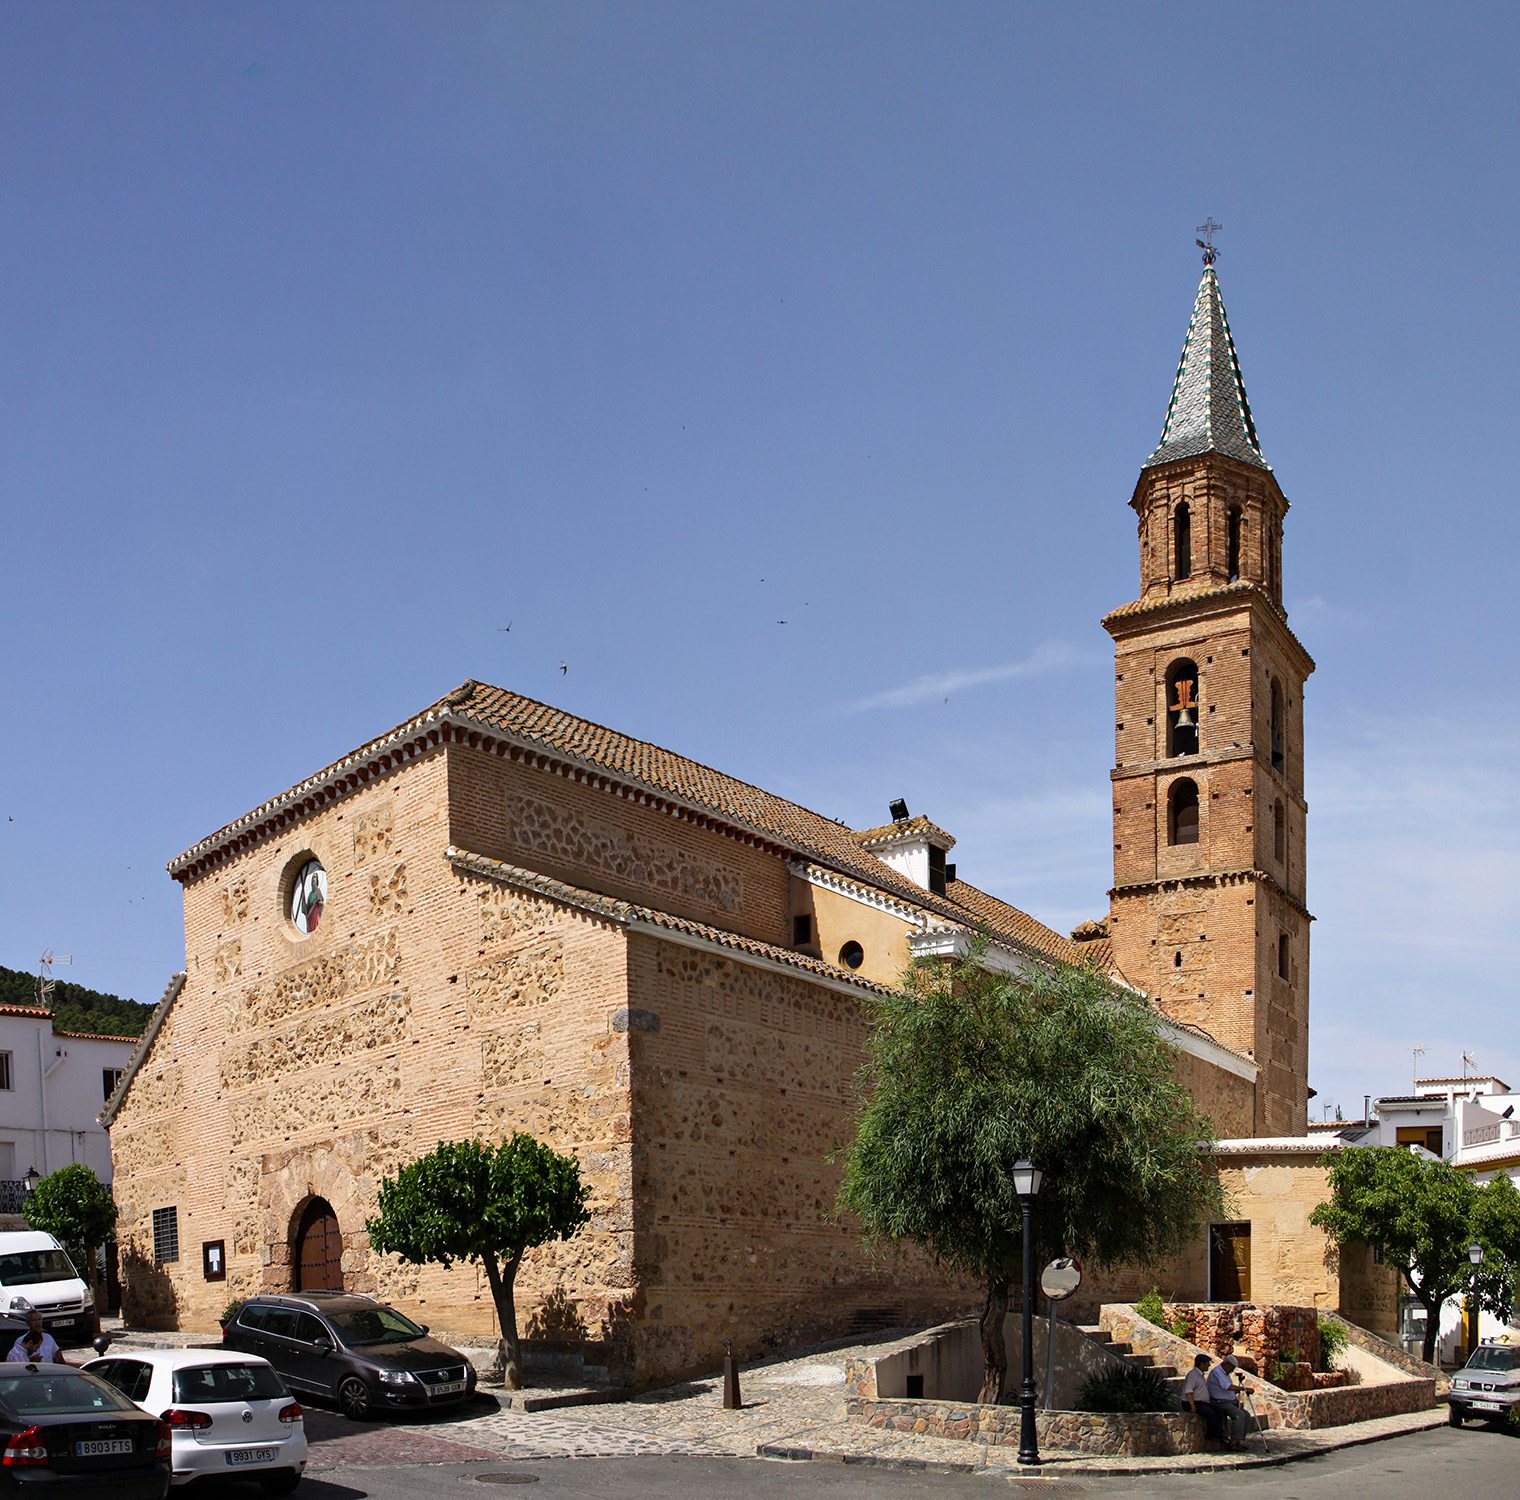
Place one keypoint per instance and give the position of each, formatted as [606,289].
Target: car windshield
[64,1393]
[228,1383]
[373,1325]
[28,1267]
[1494,1358]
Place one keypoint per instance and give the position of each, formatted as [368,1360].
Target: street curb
[523,1401]
[867,1460]
[1061,1467]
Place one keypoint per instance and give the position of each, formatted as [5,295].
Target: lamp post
[30,1181]
[1475,1255]
[1026,1183]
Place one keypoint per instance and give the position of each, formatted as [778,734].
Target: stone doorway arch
[317,1249]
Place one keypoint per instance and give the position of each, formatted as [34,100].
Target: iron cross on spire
[1208,229]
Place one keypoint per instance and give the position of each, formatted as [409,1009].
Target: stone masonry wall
[425,1007]
[512,811]
[742,1096]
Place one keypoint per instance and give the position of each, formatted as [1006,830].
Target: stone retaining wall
[1131,1434]
[1276,1407]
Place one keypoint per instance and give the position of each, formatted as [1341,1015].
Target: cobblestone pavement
[795,1406]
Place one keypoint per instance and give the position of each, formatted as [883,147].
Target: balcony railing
[12,1197]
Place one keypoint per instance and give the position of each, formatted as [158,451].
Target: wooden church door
[319,1250]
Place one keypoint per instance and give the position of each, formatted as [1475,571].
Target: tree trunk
[994,1348]
[501,1280]
[1432,1330]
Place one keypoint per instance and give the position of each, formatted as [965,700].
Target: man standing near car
[35,1346]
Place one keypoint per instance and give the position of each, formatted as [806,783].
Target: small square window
[109,1078]
[165,1235]
[5,1071]
[1377,1255]
[802,931]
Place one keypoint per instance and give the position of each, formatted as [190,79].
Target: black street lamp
[1475,1255]
[30,1181]
[1026,1183]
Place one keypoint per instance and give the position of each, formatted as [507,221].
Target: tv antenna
[1419,1052]
[45,975]
[1467,1062]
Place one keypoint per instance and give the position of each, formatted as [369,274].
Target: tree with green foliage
[968,1070]
[474,1202]
[74,1207]
[76,1008]
[1424,1214]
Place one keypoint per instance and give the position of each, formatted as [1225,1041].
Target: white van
[36,1272]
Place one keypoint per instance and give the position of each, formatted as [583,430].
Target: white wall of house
[56,1089]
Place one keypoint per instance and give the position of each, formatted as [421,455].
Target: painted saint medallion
[308,896]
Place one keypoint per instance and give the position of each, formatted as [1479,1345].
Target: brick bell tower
[1207,911]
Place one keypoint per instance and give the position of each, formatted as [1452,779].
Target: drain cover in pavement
[506,1479]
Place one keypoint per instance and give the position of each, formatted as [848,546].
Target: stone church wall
[743,1095]
[425,1007]
[517,813]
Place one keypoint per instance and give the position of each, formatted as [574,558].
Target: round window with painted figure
[308,897]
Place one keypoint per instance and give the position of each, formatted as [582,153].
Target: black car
[351,1349]
[67,1433]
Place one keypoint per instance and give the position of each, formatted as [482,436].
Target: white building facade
[53,1085]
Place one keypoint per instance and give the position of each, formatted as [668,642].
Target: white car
[229,1414]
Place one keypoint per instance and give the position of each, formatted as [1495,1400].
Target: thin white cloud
[1053,656]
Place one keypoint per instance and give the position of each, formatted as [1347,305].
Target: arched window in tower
[1279,760]
[1232,549]
[1182,708]
[1182,812]
[1183,521]
[1279,833]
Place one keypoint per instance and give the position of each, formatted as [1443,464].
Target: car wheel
[280,1484]
[1454,1415]
[354,1398]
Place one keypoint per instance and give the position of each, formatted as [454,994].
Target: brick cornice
[1252,873]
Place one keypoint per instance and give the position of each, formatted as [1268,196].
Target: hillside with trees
[76,1008]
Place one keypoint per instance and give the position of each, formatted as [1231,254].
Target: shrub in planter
[1333,1337]
[1153,1310]
[1122,1390]
[231,1311]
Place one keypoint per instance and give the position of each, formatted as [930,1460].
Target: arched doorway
[318,1258]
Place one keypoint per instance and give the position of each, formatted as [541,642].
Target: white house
[53,1084]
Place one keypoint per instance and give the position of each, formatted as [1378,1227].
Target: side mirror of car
[322,1346]
[423,1327]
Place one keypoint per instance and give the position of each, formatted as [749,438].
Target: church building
[497,916]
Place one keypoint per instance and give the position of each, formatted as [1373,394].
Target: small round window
[852,955]
[308,897]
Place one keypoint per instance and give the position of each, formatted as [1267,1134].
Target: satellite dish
[1061,1278]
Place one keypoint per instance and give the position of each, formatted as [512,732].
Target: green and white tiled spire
[1209,411]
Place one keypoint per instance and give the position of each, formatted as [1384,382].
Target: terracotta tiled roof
[25,1010]
[97,1036]
[1241,586]
[1003,920]
[626,912]
[910,828]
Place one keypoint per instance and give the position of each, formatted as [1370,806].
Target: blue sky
[335,338]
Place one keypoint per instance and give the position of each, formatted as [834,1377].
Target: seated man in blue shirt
[1226,1400]
[34,1346]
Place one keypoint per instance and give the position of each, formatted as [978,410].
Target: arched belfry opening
[316,1259]
[1183,529]
[1232,544]
[1182,708]
[1278,756]
[1182,812]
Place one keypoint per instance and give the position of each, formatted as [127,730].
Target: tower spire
[1209,412]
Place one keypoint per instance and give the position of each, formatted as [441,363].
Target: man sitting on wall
[1195,1391]
[35,1346]
[1226,1400]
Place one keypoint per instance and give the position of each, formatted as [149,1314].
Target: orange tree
[475,1202]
